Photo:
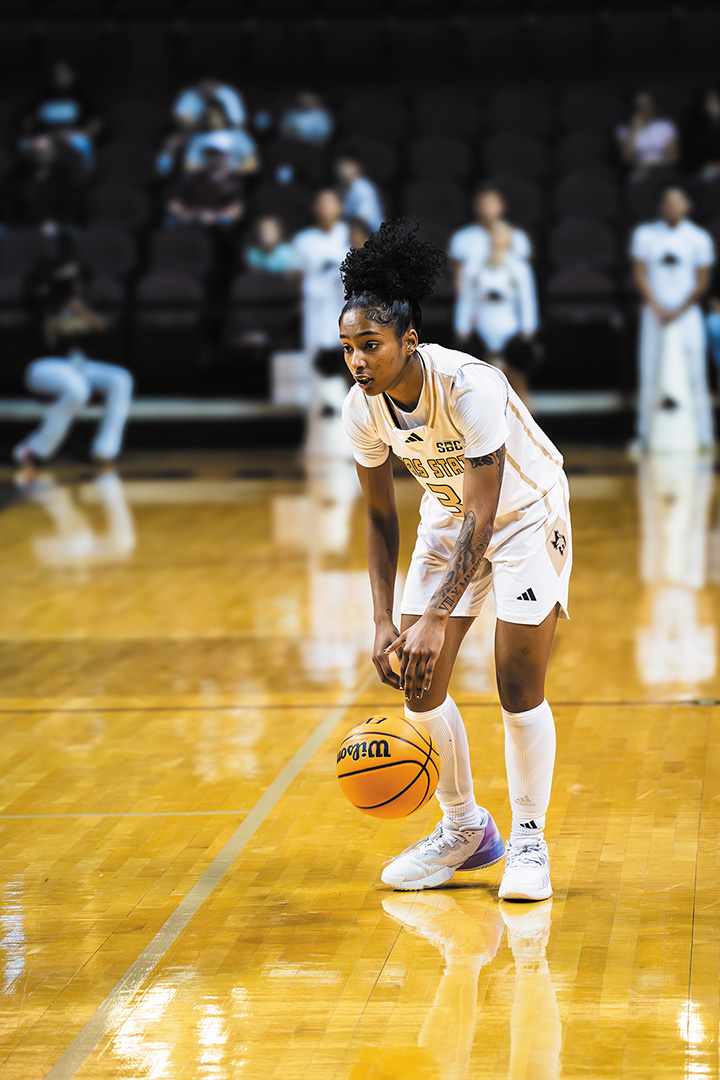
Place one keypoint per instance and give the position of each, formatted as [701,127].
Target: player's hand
[665,315]
[384,636]
[418,648]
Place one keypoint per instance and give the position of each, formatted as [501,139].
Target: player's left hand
[421,644]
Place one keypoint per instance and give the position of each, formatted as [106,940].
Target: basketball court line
[108,1012]
[380,705]
[126,814]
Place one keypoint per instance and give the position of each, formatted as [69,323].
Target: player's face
[376,357]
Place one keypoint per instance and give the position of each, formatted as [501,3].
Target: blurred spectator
[360,198]
[470,248]
[63,107]
[318,252]
[269,251]
[57,292]
[308,120]
[237,144]
[45,188]
[648,141]
[499,306]
[192,104]
[359,232]
[701,134]
[213,195]
[672,258]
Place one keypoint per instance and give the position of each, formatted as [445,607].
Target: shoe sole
[543,894]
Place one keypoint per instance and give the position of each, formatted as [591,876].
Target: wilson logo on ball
[377,748]
[388,767]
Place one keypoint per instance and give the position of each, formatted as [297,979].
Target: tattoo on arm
[497,459]
[470,547]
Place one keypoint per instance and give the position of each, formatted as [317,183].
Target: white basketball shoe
[527,871]
[434,860]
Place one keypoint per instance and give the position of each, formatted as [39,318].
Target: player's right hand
[384,636]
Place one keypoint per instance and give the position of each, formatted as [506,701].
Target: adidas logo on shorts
[527,595]
[414,438]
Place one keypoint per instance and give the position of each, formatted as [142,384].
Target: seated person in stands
[701,134]
[56,290]
[360,197]
[191,105]
[63,108]
[308,120]
[269,251]
[45,188]
[648,141]
[498,306]
[236,143]
[212,196]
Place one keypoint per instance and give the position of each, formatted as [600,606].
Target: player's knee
[519,685]
[77,393]
[122,382]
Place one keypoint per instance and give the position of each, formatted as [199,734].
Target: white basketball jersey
[471,409]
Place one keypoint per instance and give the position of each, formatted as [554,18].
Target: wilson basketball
[388,767]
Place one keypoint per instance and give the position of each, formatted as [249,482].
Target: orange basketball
[388,767]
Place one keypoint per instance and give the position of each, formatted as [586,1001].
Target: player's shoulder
[356,407]
[456,368]
[695,231]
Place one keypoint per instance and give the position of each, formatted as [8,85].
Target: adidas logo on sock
[414,438]
[524,800]
[528,824]
[527,595]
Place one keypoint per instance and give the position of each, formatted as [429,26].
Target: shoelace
[526,854]
[434,842]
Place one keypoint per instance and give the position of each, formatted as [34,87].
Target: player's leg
[59,379]
[467,837]
[116,386]
[521,658]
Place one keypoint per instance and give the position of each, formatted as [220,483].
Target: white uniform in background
[72,382]
[505,303]
[317,255]
[467,408]
[471,247]
[672,257]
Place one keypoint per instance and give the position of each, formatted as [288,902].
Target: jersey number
[448,497]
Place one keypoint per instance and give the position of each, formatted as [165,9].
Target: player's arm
[422,643]
[382,536]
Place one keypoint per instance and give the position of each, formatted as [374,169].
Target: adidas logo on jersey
[527,595]
[414,438]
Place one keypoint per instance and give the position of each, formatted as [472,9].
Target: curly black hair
[391,275]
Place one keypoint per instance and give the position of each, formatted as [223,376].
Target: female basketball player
[494,513]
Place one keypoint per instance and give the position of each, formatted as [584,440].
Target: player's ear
[410,341]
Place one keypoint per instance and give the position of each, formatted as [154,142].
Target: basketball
[388,767]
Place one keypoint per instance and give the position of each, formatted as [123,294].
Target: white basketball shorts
[527,563]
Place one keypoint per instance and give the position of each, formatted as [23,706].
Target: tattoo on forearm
[471,545]
[469,550]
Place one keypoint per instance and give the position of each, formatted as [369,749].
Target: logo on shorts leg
[557,544]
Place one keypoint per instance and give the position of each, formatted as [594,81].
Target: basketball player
[494,513]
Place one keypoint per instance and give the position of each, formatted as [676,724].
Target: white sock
[529,759]
[455,788]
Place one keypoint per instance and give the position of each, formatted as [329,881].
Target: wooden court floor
[184,892]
